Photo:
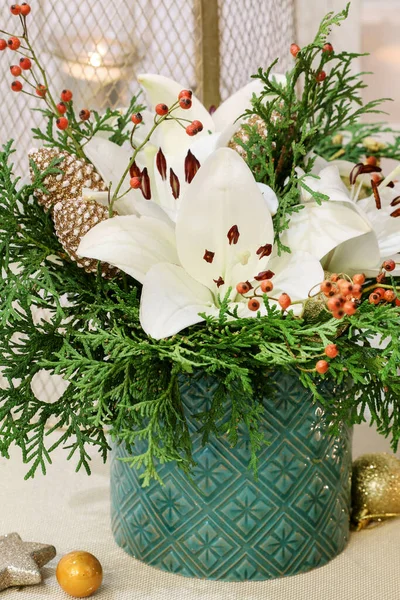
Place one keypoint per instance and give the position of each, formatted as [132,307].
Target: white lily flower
[224,236]
[337,231]
[382,212]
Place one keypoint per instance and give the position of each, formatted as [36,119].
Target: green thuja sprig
[297,121]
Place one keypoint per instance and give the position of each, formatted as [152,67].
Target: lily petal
[172,300]
[223,223]
[230,110]
[270,198]
[295,274]
[130,243]
[109,159]
[318,229]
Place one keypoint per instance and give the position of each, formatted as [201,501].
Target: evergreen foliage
[126,383]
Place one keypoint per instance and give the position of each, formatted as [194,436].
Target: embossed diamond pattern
[228,526]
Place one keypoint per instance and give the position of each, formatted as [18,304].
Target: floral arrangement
[170,242]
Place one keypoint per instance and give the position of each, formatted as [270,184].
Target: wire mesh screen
[96,49]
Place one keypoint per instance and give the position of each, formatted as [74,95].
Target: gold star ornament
[20,561]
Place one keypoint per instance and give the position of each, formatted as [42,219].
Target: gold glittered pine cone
[242,134]
[72,220]
[77,174]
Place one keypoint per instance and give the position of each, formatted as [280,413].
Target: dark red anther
[192,165]
[209,256]
[134,171]
[396,213]
[175,185]
[361,169]
[264,251]
[219,281]
[161,163]
[233,235]
[264,275]
[395,201]
[146,188]
[377,197]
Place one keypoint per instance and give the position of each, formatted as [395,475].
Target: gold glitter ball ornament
[77,174]
[375,489]
[79,574]
[72,220]
[20,561]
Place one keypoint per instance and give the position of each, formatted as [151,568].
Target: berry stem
[157,122]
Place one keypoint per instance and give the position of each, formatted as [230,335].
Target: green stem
[135,154]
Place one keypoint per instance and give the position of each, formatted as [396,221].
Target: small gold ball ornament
[79,574]
[72,220]
[375,489]
[77,174]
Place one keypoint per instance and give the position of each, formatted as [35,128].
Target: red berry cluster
[184,101]
[20,9]
[266,287]
[343,294]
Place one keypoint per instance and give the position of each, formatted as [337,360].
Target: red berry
[135,183]
[136,118]
[266,286]
[349,308]
[397,302]
[338,314]
[334,277]
[253,304]
[359,278]
[320,76]
[374,298]
[357,291]
[84,114]
[13,43]
[380,291]
[389,296]
[294,50]
[25,63]
[62,108]
[284,301]
[389,265]
[41,90]
[327,48]
[322,366]
[190,130]
[331,350]
[185,94]
[15,9]
[243,287]
[62,123]
[334,304]
[3,44]
[198,125]
[25,9]
[326,287]
[66,95]
[371,160]
[16,86]
[345,287]
[161,109]
[15,70]
[185,103]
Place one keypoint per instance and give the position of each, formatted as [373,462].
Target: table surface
[71,511]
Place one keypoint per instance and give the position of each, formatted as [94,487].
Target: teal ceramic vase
[226,525]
